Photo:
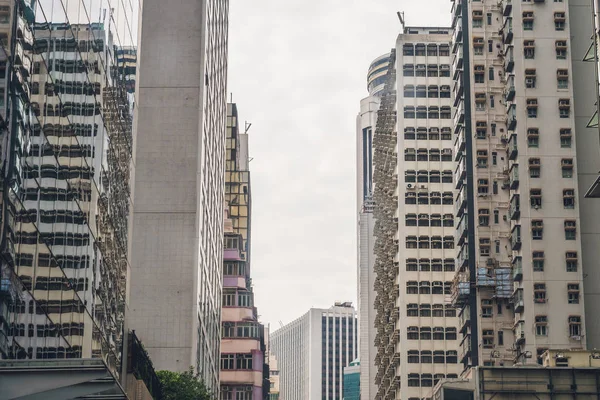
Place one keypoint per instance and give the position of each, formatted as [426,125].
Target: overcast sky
[297,71]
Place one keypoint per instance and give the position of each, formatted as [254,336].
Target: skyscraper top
[376,75]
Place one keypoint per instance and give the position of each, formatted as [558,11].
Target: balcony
[510,88]
[517,300]
[465,319]
[517,269]
[460,203]
[460,174]
[458,88]
[509,59]
[457,62]
[515,238]
[459,145]
[506,7]
[458,34]
[511,117]
[519,330]
[514,176]
[459,115]
[507,31]
[513,150]
[462,258]
[460,288]
[465,348]
[461,230]
[514,211]
[485,277]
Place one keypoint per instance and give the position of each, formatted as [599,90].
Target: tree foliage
[183,386]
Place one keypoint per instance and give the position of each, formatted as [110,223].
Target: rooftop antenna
[231,97]
[248,125]
[401,18]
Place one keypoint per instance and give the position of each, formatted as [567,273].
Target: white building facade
[312,352]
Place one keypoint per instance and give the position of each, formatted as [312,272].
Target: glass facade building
[352,381]
[67,78]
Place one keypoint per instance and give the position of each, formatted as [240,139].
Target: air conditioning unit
[529,81]
[578,338]
[447,151]
[423,187]
[410,186]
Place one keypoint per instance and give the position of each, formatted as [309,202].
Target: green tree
[183,386]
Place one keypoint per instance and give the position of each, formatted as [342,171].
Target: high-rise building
[177,247]
[414,191]
[273,378]
[313,350]
[66,135]
[365,128]
[244,373]
[526,237]
[351,390]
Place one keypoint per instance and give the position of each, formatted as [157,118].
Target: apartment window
[411,265]
[562,79]
[482,159]
[480,100]
[483,186]
[564,108]
[487,309]
[436,242]
[412,310]
[437,288]
[489,18]
[433,92]
[421,70]
[449,312]
[421,112]
[410,198]
[493,129]
[477,18]
[410,220]
[538,261]
[484,247]
[539,292]
[496,217]
[420,49]
[494,158]
[530,78]
[479,74]
[411,242]
[448,242]
[570,230]
[559,21]
[412,333]
[447,198]
[478,46]
[445,71]
[529,49]
[425,333]
[422,155]
[227,361]
[432,71]
[533,137]
[409,112]
[537,229]
[492,101]
[565,138]
[532,108]
[409,91]
[413,356]
[413,380]
[528,21]
[435,198]
[575,326]
[490,46]
[500,338]
[409,133]
[541,325]
[423,197]
[412,287]
[229,298]
[535,167]
[481,129]
[438,311]
[421,133]
[432,50]
[434,176]
[444,50]
[569,198]
[434,112]
[561,49]
[421,91]
[448,220]
[423,242]
[436,265]
[571,261]
[409,155]
[408,49]
[484,217]
[573,293]
[450,333]
[446,133]
[423,220]
[245,299]
[488,338]
[567,167]
[535,198]
[445,92]
[445,112]
[408,70]
[449,265]
[243,361]
[426,357]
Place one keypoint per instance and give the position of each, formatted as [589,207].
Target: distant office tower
[244,373]
[525,234]
[177,249]
[416,268]
[313,350]
[351,384]
[66,135]
[365,128]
